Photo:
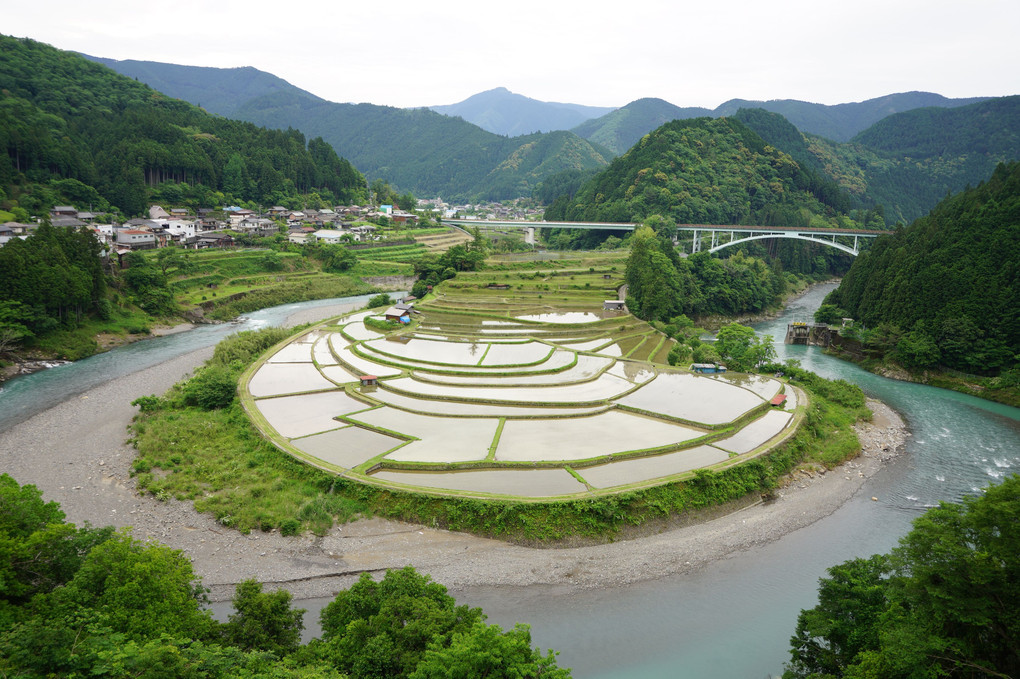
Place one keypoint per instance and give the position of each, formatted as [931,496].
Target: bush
[379,300]
[212,387]
[680,355]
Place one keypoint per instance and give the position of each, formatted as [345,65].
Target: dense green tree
[742,349]
[845,622]
[264,621]
[830,314]
[76,132]
[945,602]
[95,602]
[336,258]
[488,651]
[382,629]
[656,288]
[135,588]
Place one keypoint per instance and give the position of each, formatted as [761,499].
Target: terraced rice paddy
[488,395]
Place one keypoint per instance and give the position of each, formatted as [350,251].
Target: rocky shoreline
[76,453]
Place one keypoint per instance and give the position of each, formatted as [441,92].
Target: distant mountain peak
[504,112]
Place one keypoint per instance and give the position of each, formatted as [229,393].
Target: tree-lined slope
[415,150]
[909,161]
[75,131]
[702,170]
[217,90]
[949,283]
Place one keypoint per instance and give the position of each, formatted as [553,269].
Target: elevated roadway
[719,236]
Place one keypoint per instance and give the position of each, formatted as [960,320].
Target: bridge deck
[629,226]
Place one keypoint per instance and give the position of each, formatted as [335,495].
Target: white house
[329,236]
[180,229]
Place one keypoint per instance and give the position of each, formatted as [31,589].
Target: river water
[733,619]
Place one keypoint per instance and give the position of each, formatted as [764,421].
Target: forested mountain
[502,112]
[622,128]
[415,150]
[840,122]
[217,90]
[946,290]
[429,153]
[76,132]
[702,170]
[909,161]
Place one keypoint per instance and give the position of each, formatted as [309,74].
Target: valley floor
[76,454]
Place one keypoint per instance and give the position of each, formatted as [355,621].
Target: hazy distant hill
[622,128]
[841,122]
[501,111]
[427,152]
[217,90]
[413,149]
[989,127]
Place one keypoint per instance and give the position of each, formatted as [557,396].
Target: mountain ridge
[503,112]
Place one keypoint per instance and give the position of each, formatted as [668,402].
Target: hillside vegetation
[416,150]
[426,152]
[905,164]
[945,291]
[702,170]
[76,132]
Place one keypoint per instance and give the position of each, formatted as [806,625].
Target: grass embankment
[195,443]
[1004,388]
[93,335]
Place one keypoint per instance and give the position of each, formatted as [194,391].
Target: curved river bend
[732,619]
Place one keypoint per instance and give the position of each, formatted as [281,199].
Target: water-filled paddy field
[554,402]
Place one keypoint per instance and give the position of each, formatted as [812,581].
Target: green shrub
[212,387]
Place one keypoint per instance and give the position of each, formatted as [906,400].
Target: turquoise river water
[733,619]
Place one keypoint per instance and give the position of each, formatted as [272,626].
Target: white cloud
[599,53]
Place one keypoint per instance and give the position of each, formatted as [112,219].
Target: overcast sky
[422,53]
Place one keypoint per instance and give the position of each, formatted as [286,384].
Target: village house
[331,236]
[181,231]
[396,314]
[64,222]
[401,217]
[237,216]
[20,229]
[215,240]
[63,211]
[136,239]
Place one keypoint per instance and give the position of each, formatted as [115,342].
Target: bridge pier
[529,235]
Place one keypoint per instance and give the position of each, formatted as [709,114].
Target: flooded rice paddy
[454,407]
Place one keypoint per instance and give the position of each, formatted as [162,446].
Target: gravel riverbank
[77,454]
